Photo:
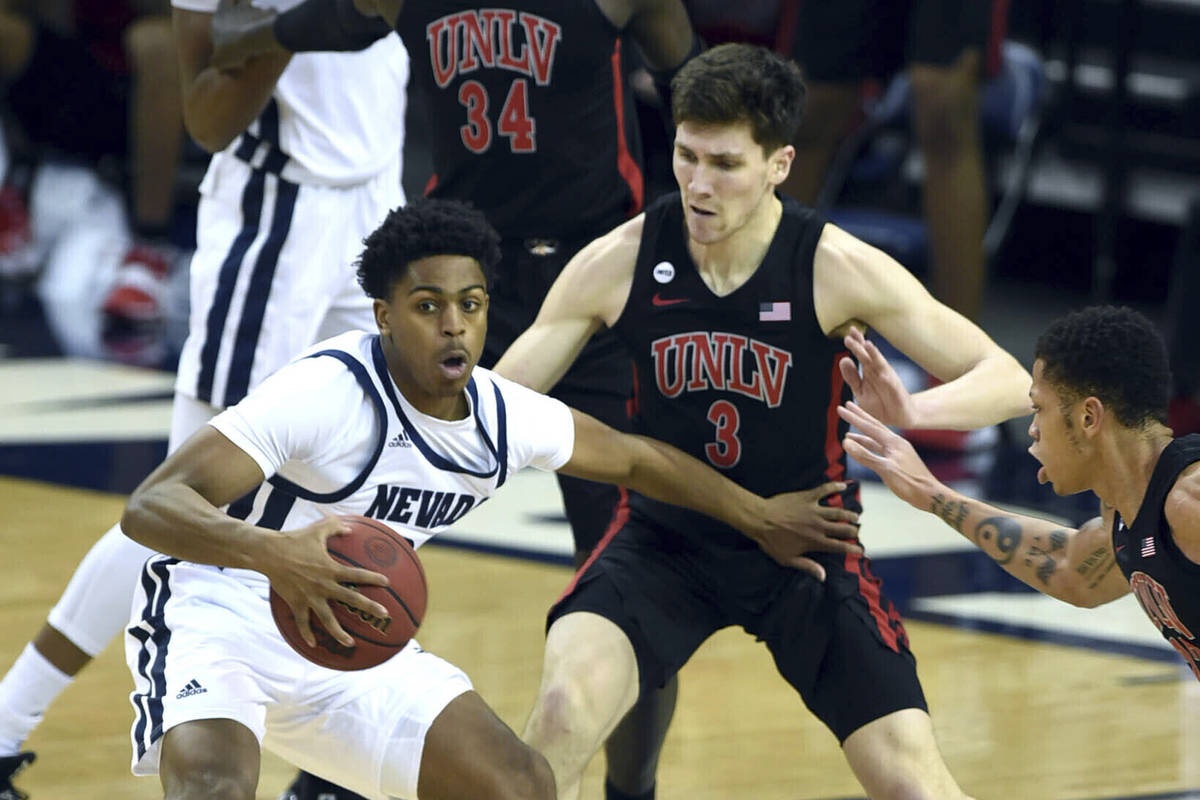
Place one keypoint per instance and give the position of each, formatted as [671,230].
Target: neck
[1127,460]
[727,264]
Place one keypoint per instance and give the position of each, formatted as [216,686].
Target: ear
[382,318]
[780,164]
[1091,416]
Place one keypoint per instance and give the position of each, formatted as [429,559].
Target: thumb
[850,374]
[808,565]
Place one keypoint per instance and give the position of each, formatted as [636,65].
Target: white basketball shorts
[203,645]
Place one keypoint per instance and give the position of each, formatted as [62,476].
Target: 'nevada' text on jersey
[422,507]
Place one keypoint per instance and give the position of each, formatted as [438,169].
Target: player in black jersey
[1100,391]
[530,120]
[734,303]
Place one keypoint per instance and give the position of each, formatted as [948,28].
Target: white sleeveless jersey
[335,436]
[334,119]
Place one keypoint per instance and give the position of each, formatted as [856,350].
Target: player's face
[724,177]
[1055,442]
[433,326]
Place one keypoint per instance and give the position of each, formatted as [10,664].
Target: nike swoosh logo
[664,301]
[1119,548]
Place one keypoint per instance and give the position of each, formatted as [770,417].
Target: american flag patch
[774,312]
[1148,547]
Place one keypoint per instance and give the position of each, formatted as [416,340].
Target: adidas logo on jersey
[193,687]
[401,440]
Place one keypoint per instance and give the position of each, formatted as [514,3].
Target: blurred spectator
[948,46]
[94,82]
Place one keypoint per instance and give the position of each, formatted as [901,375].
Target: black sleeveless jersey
[746,382]
[529,116]
[1164,580]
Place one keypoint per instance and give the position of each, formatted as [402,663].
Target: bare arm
[219,104]
[177,511]
[1076,566]
[588,294]
[983,383]
[785,526]
[1182,510]
[660,28]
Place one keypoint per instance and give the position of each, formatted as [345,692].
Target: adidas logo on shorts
[401,440]
[193,687]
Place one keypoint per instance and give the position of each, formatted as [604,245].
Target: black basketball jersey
[529,116]
[1164,580]
[747,382]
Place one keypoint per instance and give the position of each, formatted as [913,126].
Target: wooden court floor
[1015,719]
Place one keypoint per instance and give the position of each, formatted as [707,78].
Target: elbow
[208,132]
[131,518]
[211,141]
[1079,597]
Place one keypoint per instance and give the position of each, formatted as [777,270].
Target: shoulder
[620,243]
[1182,510]
[607,259]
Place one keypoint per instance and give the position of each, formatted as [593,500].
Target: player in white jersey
[307,163]
[411,726]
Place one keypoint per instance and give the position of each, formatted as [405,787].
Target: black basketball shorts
[847,40]
[840,644]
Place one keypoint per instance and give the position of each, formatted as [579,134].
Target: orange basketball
[372,545]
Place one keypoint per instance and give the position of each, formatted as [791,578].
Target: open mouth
[453,366]
[700,212]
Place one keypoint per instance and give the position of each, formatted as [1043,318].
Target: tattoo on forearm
[1097,565]
[1000,533]
[952,512]
[1044,550]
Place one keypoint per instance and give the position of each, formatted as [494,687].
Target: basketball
[372,545]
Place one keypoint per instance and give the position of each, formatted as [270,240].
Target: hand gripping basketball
[371,545]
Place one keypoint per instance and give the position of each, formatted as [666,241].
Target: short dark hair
[425,227]
[1111,353]
[742,83]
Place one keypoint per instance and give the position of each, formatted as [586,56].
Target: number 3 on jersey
[727,449]
[514,123]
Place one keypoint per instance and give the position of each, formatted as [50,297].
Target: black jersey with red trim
[1164,580]
[529,116]
[747,382]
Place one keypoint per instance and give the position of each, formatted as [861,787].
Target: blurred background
[1089,127]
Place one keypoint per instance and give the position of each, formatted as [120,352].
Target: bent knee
[527,777]
[208,784]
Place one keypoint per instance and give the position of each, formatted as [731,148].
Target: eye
[686,155]
[427,306]
[471,304]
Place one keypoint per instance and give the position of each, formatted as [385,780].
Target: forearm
[220,104]
[995,389]
[665,473]
[1046,556]
[173,518]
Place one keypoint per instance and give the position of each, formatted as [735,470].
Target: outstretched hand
[878,389]
[797,523]
[239,32]
[304,574]
[890,455]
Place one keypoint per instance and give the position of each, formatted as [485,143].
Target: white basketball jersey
[334,118]
[335,436]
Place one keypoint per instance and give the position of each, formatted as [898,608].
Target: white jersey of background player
[308,162]
[397,426]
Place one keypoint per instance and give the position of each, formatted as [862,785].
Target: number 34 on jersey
[462,43]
